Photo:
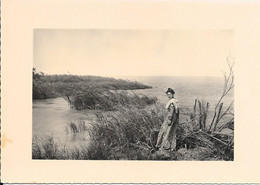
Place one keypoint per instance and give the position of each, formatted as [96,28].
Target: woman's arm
[173,110]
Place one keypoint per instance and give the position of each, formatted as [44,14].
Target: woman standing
[167,135]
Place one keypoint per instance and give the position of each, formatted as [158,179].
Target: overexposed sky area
[132,52]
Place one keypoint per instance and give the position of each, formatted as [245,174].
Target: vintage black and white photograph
[129,94]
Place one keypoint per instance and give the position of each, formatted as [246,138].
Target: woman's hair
[170,90]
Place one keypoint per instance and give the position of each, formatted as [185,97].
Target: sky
[105,52]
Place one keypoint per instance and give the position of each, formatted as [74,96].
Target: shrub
[42,90]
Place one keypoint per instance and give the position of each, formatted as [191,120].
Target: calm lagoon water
[52,115]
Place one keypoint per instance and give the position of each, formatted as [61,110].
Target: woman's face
[170,95]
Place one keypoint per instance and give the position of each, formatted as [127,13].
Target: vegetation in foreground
[130,134]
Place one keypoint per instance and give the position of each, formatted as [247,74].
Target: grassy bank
[51,86]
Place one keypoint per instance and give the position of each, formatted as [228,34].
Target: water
[52,115]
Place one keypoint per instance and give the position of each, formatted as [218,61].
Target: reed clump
[125,134]
[76,127]
[50,148]
[107,100]
[46,148]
